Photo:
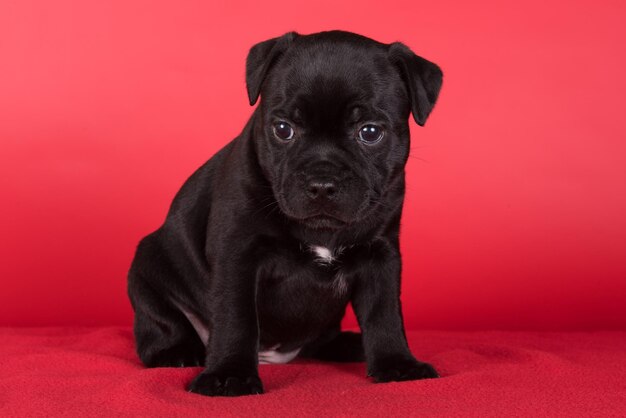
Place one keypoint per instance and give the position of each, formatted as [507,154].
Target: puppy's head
[332,135]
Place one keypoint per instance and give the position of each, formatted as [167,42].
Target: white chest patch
[324,255]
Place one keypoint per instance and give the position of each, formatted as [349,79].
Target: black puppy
[267,242]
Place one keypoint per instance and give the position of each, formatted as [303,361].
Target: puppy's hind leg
[337,346]
[163,334]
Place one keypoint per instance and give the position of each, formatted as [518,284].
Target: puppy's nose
[321,190]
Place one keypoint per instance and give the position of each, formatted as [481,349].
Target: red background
[515,214]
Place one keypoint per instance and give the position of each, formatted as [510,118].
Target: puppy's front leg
[232,351]
[376,302]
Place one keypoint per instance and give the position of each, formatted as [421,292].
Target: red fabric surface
[94,372]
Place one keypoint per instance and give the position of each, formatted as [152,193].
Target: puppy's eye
[283,130]
[371,134]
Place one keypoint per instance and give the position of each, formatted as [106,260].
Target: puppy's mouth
[317,220]
[323,221]
[321,217]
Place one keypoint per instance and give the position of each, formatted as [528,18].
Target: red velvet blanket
[94,372]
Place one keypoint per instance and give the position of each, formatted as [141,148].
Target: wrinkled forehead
[331,77]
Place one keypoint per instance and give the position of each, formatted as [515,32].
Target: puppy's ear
[422,78]
[260,59]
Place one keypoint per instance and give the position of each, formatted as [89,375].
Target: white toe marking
[274,357]
[269,356]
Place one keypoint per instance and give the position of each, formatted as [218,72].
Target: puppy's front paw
[210,384]
[400,369]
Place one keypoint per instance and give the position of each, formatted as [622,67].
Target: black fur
[236,250]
